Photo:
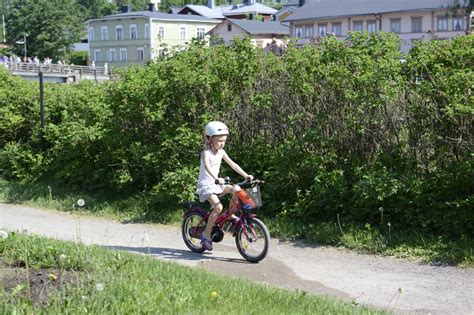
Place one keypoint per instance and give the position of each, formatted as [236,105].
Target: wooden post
[43,144]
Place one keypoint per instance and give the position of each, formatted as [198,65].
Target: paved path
[340,273]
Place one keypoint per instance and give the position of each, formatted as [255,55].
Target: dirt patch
[36,284]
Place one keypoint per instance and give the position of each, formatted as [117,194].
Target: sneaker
[207,244]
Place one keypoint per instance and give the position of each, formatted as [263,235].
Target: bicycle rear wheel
[253,240]
[191,228]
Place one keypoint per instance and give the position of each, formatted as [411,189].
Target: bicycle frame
[226,215]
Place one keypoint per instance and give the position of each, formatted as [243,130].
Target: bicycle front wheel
[253,240]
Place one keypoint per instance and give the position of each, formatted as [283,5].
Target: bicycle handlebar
[227,181]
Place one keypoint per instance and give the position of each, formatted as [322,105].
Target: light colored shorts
[207,191]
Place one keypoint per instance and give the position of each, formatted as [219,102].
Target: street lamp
[23,42]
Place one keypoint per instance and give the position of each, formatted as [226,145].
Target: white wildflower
[81,202]
[3,234]
[100,286]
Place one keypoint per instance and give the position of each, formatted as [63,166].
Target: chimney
[126,8]
[151,7]
[210,4]
[301,3]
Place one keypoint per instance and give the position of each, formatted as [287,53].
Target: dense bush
[347,128]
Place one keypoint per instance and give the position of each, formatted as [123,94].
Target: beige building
[260,33]
[134,38]
[411,20]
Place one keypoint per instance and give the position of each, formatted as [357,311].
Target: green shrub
[342,128]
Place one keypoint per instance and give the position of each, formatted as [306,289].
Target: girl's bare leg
[216,210]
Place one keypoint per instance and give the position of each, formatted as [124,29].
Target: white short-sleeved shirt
[206,183]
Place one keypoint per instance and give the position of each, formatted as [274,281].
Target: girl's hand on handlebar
[220,181]
[249,178]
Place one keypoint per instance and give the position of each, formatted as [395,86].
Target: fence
[56,68]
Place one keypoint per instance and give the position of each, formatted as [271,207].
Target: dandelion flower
[81,202]
[213,294]
[3,235]
[100,286]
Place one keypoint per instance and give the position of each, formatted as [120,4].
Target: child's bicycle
[251,235]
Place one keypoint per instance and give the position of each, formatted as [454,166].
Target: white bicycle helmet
[216,128]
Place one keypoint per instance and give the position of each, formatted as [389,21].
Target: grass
[115,282]
[393,240]
[381,241]
[134,208]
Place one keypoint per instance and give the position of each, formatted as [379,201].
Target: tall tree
[96,8]
[51,26]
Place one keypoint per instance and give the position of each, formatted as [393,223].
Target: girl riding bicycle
[210,186]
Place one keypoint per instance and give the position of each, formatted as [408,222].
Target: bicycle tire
[193,220]
[248,248]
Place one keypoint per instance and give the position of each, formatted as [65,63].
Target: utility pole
[24,41]
[3,29]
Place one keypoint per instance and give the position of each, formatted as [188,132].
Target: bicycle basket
[255,195]
[250,198]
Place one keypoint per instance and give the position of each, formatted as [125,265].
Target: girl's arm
[236,167]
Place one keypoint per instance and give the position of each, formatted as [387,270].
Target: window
[161,32]
[119,32]
[229,27]
[337,29]
[147,30]
[299,31]
[140,54]
[322,30]
[133,31]
[97,54]
[112,53]
[201,32]
[123,54]
[308,31]
[371,26]
[358,26]
[458,23]
[442,23]
[91,34]
[182,32]
[416,25]
[104,33]
[395,25]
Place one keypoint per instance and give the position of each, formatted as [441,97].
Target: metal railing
[55,68]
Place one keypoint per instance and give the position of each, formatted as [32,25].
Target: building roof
[319,9]
[258,27]
[250,8]
[214,13]
[220,12]
[157,15]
